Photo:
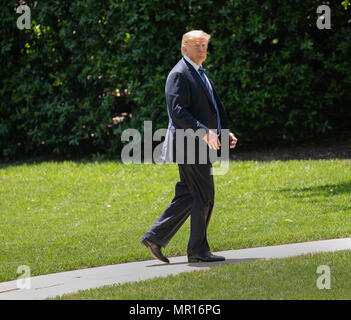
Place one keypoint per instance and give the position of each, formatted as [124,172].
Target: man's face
[196,50]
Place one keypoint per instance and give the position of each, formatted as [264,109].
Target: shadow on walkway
[205,264]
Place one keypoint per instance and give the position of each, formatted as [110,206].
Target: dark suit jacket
[189,107]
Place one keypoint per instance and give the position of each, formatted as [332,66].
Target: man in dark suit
[194,106]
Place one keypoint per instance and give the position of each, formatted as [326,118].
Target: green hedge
[87,70]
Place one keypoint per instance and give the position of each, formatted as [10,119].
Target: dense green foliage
[84,66]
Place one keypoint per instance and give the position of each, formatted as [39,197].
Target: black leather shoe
[204,257]
[154,249]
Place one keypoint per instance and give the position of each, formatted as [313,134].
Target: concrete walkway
[56,284]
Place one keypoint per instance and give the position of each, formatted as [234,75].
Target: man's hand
[232,140]
[212,140]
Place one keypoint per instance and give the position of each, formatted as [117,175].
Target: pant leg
[174,216]
[199,180]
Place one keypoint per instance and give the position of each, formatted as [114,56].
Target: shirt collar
[196,67]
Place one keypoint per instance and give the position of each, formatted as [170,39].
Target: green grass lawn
[293,278]
[70,215]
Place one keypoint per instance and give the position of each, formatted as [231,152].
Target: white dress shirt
[196,67]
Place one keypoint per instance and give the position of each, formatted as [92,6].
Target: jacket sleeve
[178,102]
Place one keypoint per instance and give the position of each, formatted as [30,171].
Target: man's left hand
[232,140]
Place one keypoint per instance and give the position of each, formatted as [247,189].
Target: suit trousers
[194,196]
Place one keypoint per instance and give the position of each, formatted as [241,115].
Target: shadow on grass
[324,190]
[54,159]
[335,148]
[319,150]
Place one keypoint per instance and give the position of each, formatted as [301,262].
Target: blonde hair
[193,34]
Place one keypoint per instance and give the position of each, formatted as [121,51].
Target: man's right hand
[212,140]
